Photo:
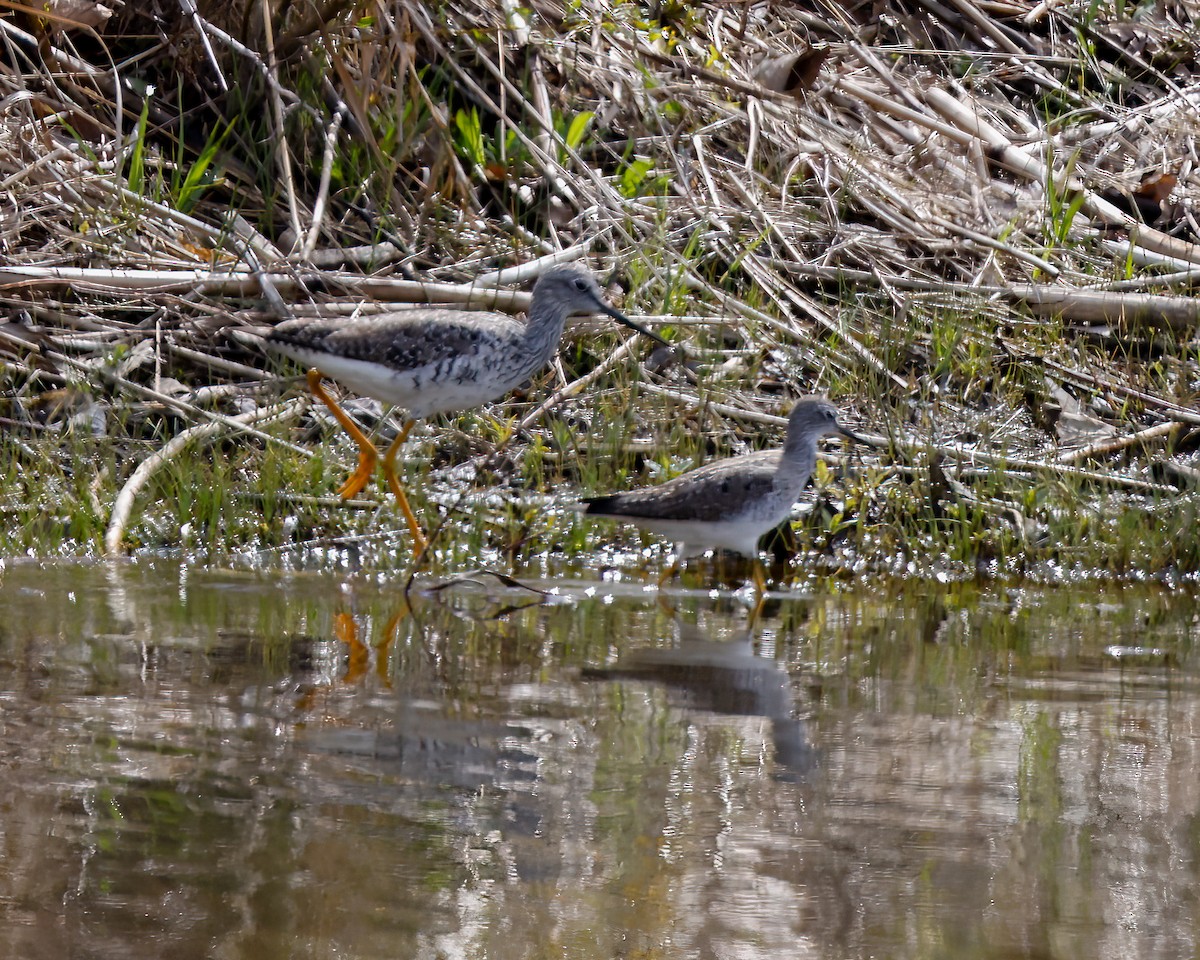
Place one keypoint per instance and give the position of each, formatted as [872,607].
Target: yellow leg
[666,605]
[393,482]
[760,593]
[367,454]
[756,611]
[760,578]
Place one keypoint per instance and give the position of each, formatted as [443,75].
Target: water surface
[209,763]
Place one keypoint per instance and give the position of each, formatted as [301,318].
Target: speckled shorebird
[729,504]
[435,360]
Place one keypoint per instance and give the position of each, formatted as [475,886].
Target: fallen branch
[123,506]
[970,123]
[576,386]
[1180,314]
[245,283]
[1104,448]
[1092,382]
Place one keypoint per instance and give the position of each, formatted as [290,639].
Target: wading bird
[729,504]
[433,360]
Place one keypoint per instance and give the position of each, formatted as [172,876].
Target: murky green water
[201,763]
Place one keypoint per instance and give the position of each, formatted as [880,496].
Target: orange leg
[367,454]
[389,473]
[383,650]
[346,630]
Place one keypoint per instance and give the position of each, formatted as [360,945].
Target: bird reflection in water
[392,727]
[345,628]
[725,677]
[361,653]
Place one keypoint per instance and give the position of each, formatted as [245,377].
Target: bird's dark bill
[621,318]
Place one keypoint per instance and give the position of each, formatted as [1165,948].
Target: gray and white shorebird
[433,360]
[729,504]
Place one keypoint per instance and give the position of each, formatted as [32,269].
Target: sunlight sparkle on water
[614,772]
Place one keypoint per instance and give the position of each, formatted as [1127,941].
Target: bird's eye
[580,283]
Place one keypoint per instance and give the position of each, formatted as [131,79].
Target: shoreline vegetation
[972,225]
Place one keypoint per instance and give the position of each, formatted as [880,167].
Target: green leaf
[633,176]
[137,158]
[578,129]
[470,136]
[199,176]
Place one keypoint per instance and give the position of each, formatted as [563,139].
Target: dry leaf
[76,14]
[792,73]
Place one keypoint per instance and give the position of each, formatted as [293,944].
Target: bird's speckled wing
[403,341]
[717,491]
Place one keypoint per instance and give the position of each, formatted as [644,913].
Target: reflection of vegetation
[1039,790]
[216,737]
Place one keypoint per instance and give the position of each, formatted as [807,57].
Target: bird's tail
[601,506]
[249,335]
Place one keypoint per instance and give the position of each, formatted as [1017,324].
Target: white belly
[693,537]
[422,392]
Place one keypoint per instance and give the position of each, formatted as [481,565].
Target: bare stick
[1104,448]
[189,10]
[123,506]
[331,136]
[277,114]
[972,125]
[914,446]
